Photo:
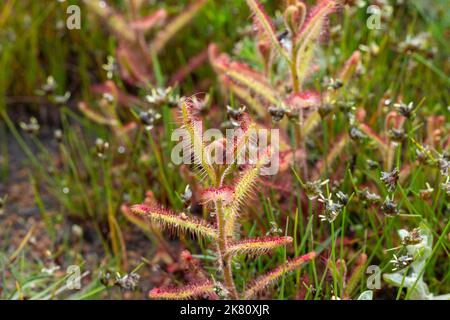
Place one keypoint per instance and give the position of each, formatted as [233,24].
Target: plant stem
[224,259]
[295,83]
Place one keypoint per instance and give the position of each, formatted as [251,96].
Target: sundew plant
[225,203]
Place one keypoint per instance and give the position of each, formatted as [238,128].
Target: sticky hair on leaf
[315,19]
[188,292]
[216,152]
[177,222]
[242,190]
[273,276]
[240,139]
[243,76]
[265,24]
[244,121]
[307,38]
[249,177]
[224,194]
[256,246]
[189,114]
[193,126]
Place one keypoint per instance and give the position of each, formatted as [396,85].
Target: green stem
[333,258]
[224,259]
[295,83]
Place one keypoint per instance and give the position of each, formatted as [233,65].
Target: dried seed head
[422,154]
[235,113]
[187,195]
[372,164]
[274,229]
[198,104]
[312,188]
[101,147]
[277,113]
[148,118]
[48,88]
[106,278]
[221,291]
[60,99]
[418,43]
[159,96]
[387,102]
[444,164]
[401,262]
[390,179]
[50,84]
[110,67]
[413,237]
[346,106]
[406,110]
[446,186]
[52,268]
[128,282]
[397,135]
[331,209]
[425,194]
[325,109]
[334,84]
[237,116]
[32,127]
[342,197]
[107,98]
[389,207]
[356,134]
[58,135]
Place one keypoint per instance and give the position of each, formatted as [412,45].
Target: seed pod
[235,113]
[412,238]
[401,262]
[325,109]
[390,179]
[32,127]
[372,164]
[101,147]
[356,134]
[389,208]
[397,135]
[58,135]
[277,113]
